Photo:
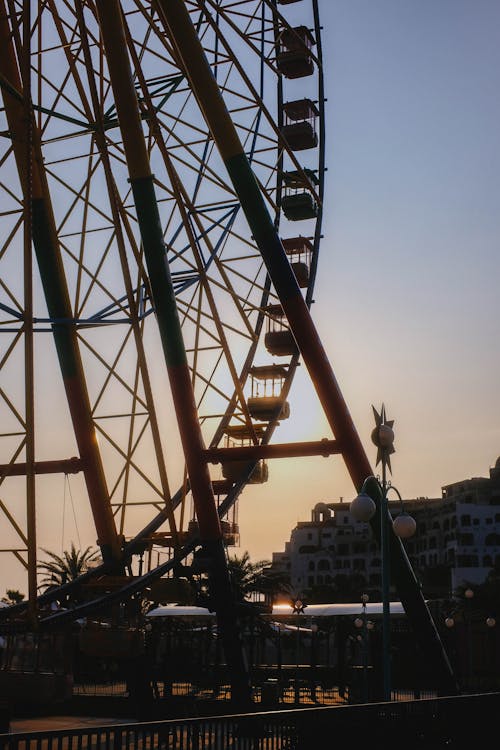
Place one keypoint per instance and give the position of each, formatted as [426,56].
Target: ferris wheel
[89,89]
[161,196]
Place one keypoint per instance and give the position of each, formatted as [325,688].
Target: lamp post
[298,608]
[314,660]
[469,596]
[363,508]
[362,622]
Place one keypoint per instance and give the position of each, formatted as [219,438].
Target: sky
[406,296]
[406,299]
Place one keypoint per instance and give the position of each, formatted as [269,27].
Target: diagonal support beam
[141,180]
[194,64]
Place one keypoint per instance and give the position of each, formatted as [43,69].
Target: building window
[492,540]
[487,561]
[324,565]
[358,548]
[311,564]
[467,561]
[465,520]
[310,581]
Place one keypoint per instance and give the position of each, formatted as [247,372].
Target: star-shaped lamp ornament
[298,606]
[383,436]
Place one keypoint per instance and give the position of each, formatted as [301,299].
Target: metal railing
[429,723]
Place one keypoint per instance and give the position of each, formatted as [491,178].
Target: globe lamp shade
[362,507]
[404,526]
[385,436]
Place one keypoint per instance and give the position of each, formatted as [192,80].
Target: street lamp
[363,508]
[362,622]
[314,659]
[469,596]
[298,609]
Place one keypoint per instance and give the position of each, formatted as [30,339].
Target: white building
[458,533]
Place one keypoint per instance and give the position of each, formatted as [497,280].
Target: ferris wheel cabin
[299,201]
[267,402]
[239,435]
[294,58]
[299,250]
[299,129]
[279,339]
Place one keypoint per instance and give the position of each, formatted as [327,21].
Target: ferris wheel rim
[83,323]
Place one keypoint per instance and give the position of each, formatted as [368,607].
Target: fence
[431,723]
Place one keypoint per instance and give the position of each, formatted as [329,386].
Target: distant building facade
[457,535]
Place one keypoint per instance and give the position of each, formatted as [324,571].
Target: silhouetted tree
[60,569]
[12,596]
[246,576]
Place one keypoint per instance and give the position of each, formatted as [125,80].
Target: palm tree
[12,596]
[246,576]
[60,569]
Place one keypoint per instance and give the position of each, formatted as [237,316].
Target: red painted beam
[64,466]
[279,450]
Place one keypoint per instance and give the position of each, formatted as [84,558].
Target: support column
[141,180]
